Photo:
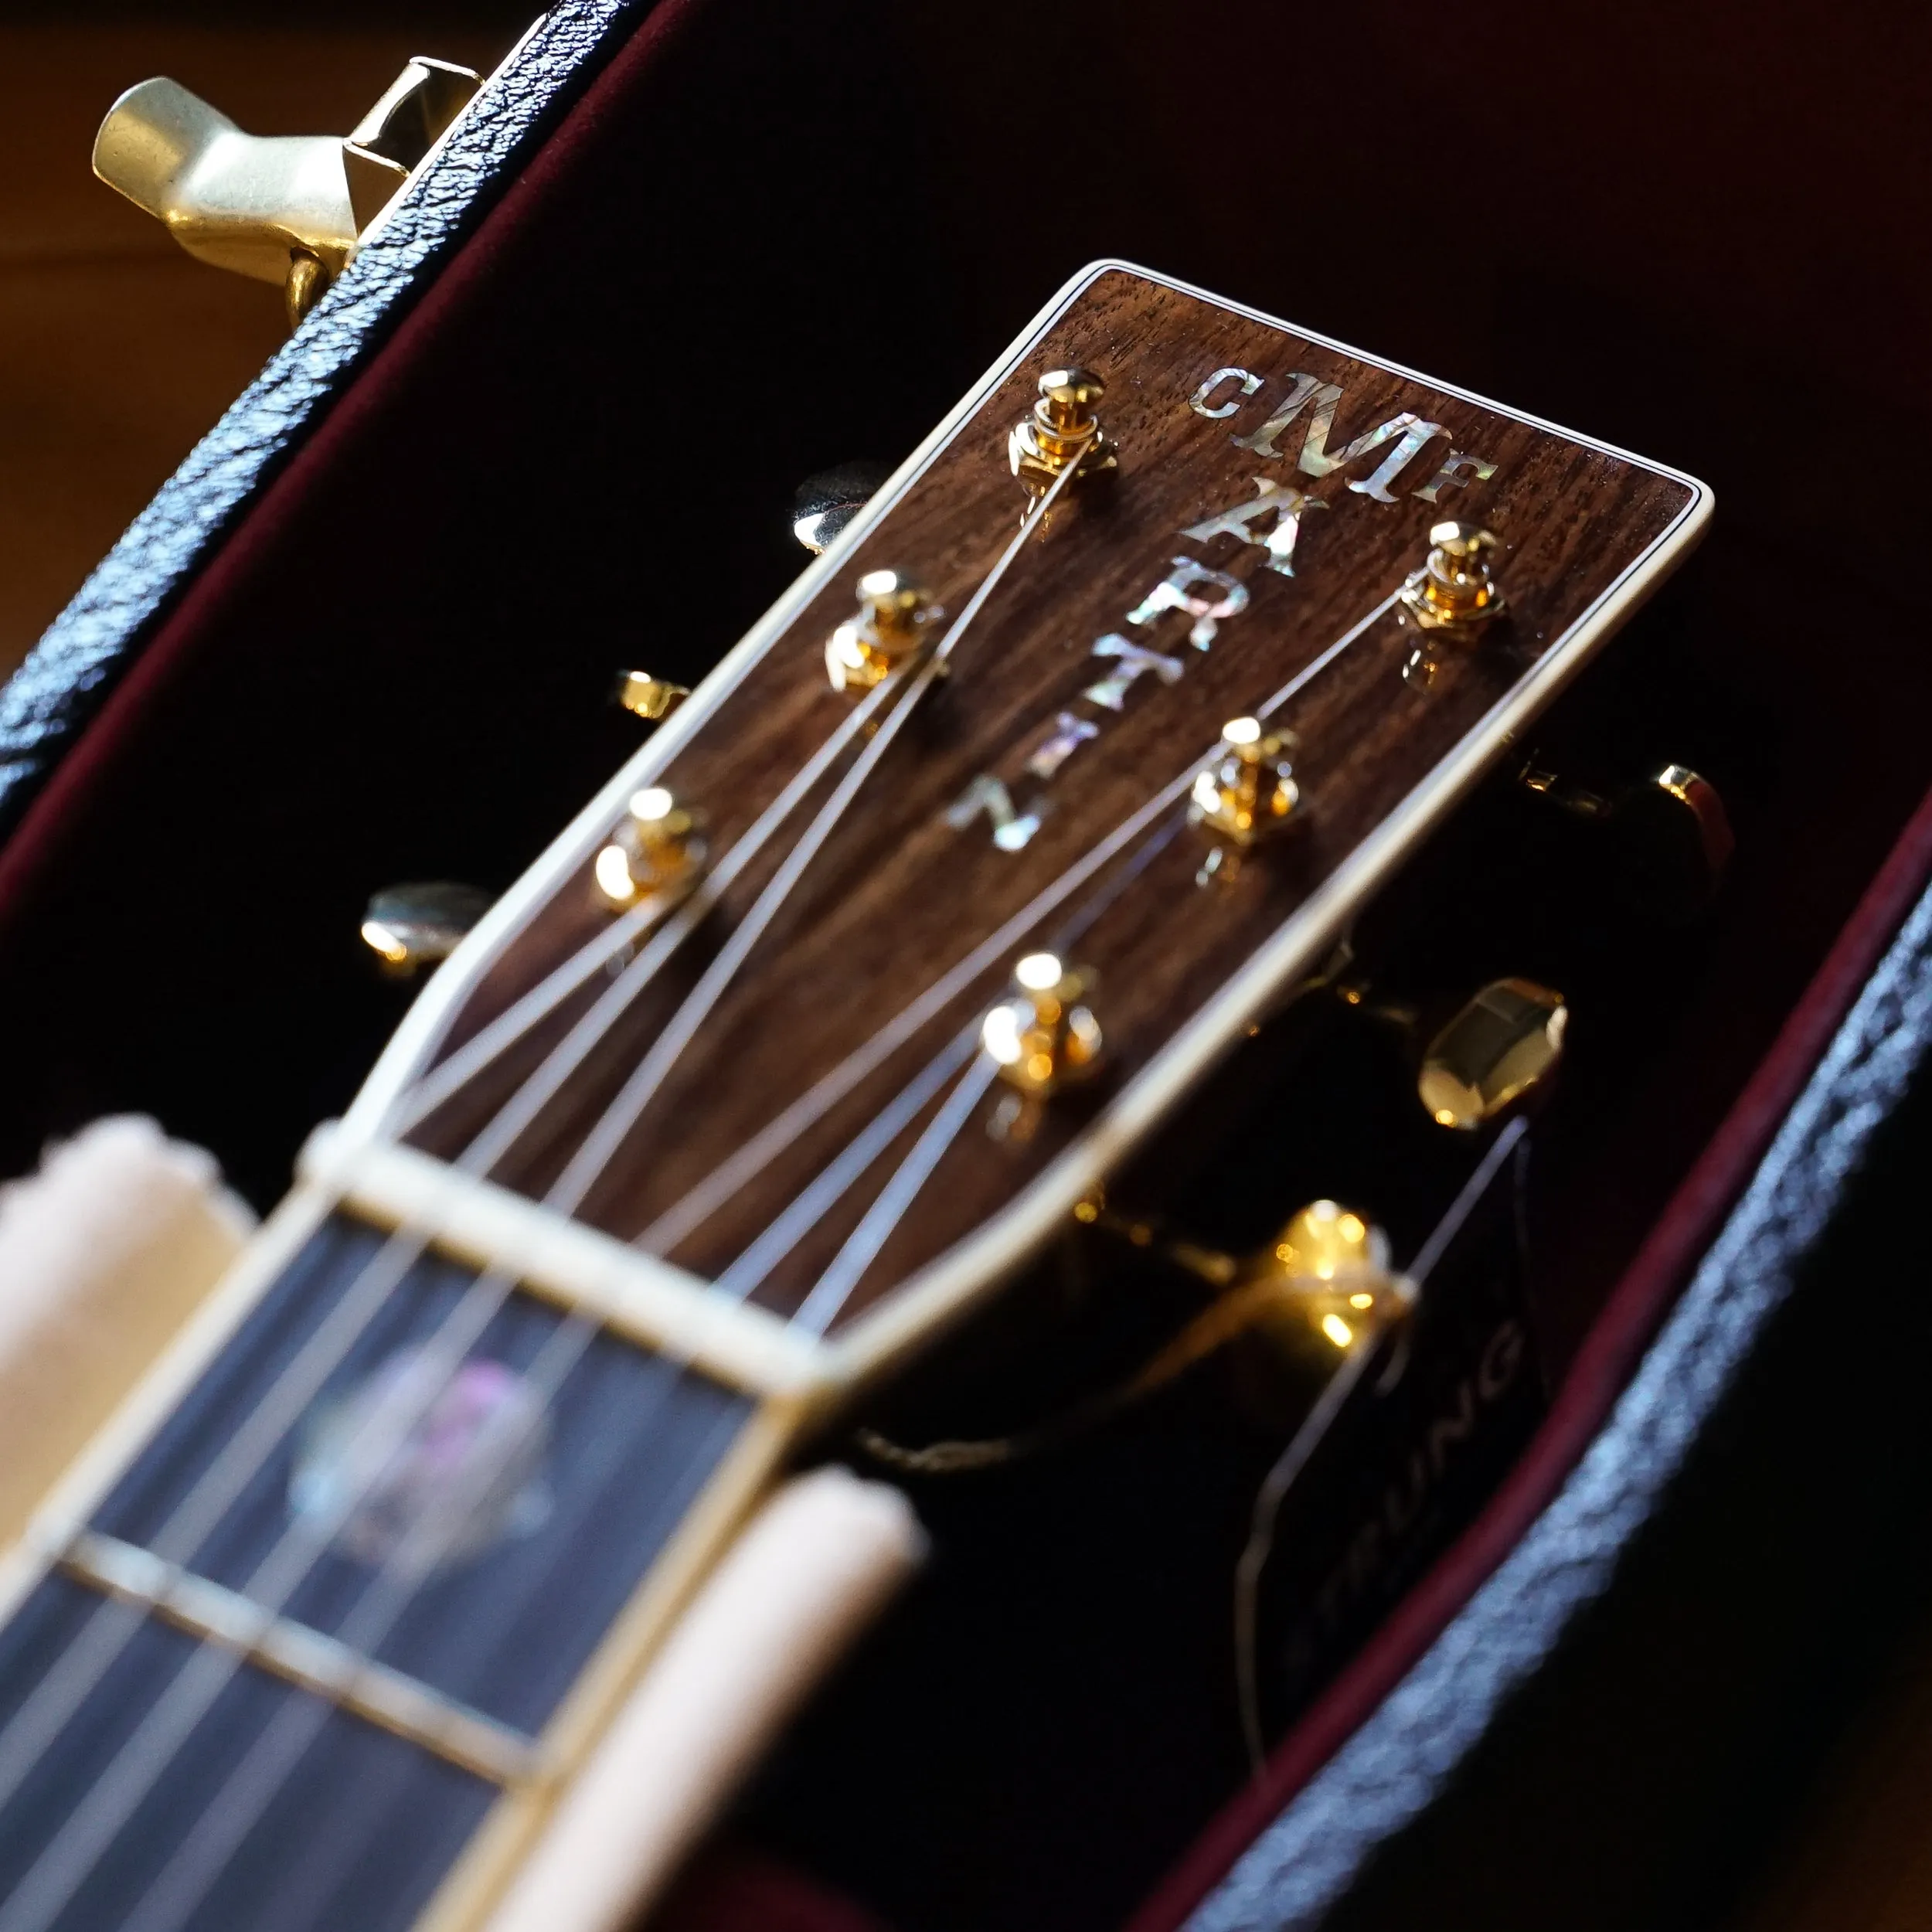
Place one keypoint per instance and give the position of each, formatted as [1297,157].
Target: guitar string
[195,1868]
[448,1078]
[599,1148]
[197,1864]
[56,1874]
[937,1143]
[198,1861]
[748,1269]
[422,1097]
[124,1785]
[829,1295]
[92,1651]
[1265,1512]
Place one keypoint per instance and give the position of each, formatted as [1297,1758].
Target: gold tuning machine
[1246,792]
[825,503]
[649,697]
[408,927]
[1329,1268]
[1668,835]
[1506,1040]
[284,209]
[1045,1036]
[891,625]
[655,853]
[1064,428]
[1454,594]
[1674,842]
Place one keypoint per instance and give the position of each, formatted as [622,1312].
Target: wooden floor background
[117,352]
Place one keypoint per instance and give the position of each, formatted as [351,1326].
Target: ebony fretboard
[171,1757]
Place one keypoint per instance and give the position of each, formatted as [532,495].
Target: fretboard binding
[305,1657]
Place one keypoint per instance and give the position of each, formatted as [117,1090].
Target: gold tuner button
[1046,1035]
[824,504]
[650,697]
[891,625]
[411,927]
[1505,1041]
[1064,428]
[1329,1268]
[655,852]
[1453,593]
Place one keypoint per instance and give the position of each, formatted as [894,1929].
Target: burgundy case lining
[91,808]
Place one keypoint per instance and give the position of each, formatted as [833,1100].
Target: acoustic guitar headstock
[1076,751]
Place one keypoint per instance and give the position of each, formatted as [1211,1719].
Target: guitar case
[681,256]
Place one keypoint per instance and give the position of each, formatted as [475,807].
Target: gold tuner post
[1064,428]
[1328,1269]
[891,625]
[655,852]
[1246,792]
[1046,1035]
[1453,593]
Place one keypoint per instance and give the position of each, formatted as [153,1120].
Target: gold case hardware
[287,208]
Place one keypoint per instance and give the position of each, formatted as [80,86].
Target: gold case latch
[285,209]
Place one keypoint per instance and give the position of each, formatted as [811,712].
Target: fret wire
[191,1692]
[347,1677]
[198,1861]
[59,1694]
[64,1862]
